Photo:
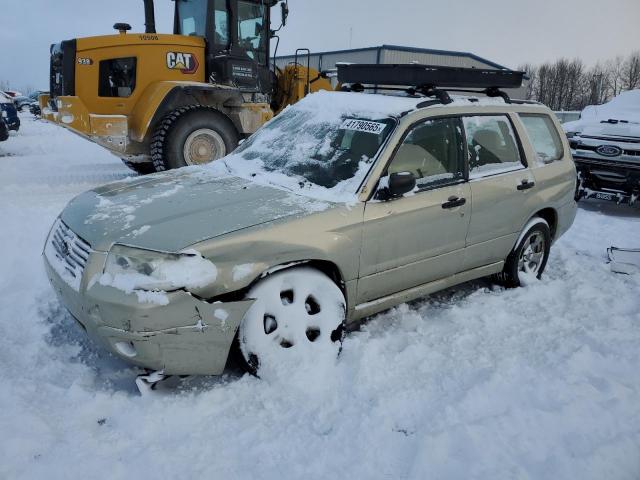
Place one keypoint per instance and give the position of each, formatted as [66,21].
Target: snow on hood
[625,109]
[174,210]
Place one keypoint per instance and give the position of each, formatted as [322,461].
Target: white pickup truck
[605,144]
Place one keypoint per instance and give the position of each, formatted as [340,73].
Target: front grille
[67,253]
[613,139]
[594,148]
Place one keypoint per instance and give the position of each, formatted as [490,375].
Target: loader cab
[237,34]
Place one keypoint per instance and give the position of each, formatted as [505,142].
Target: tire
[522,261]
[141,168]
[204,129]
[298,314]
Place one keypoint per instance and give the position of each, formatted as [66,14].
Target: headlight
[571,134]
[132,269]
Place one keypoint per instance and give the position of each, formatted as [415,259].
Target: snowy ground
[541,382]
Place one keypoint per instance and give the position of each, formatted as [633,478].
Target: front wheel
[298,316]
[192,135]
[529,259]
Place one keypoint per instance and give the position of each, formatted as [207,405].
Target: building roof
[450,53]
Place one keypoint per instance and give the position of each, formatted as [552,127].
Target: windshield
[306,149]
[192,15]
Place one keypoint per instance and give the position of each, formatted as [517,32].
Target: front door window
[433,152]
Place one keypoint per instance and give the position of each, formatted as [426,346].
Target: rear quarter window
[544,137]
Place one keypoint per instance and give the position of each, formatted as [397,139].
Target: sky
[508,32]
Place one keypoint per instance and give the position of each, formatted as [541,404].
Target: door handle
[526,185]
[453,202]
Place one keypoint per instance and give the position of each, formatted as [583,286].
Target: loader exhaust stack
[149,17]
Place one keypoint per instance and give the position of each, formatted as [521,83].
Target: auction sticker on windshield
[363,126]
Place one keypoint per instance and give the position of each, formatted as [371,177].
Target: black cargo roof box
[416,75]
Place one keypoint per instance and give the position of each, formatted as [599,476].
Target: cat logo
[185,62]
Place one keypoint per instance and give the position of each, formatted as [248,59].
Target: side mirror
[284,10]
[396,185]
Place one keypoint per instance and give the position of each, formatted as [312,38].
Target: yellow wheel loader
[162,101]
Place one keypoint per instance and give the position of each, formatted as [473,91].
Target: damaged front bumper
[109,131]
[610,180]
[185,336]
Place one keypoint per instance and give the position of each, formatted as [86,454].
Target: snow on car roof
[376,105]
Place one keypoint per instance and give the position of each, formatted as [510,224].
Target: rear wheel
[529,258]
[298,315]
[192,135]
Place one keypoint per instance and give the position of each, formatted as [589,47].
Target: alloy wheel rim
[203,146]
[532,254]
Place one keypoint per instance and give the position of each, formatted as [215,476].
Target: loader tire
[141,168]
[192,135]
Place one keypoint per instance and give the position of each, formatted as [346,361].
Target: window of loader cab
[252,32]
[117,77]
[433,151]
[492,145]
[221,21]
[544,136]
[192,17]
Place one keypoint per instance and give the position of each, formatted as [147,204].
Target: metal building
[390,54]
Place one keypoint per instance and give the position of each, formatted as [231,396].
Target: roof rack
[429,80]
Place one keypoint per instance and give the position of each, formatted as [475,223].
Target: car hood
[173,210]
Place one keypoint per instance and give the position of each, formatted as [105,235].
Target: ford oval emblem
[609,150]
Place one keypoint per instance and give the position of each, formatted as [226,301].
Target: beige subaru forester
[344,205]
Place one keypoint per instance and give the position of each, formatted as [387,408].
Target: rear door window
[544,137]
[492,145]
